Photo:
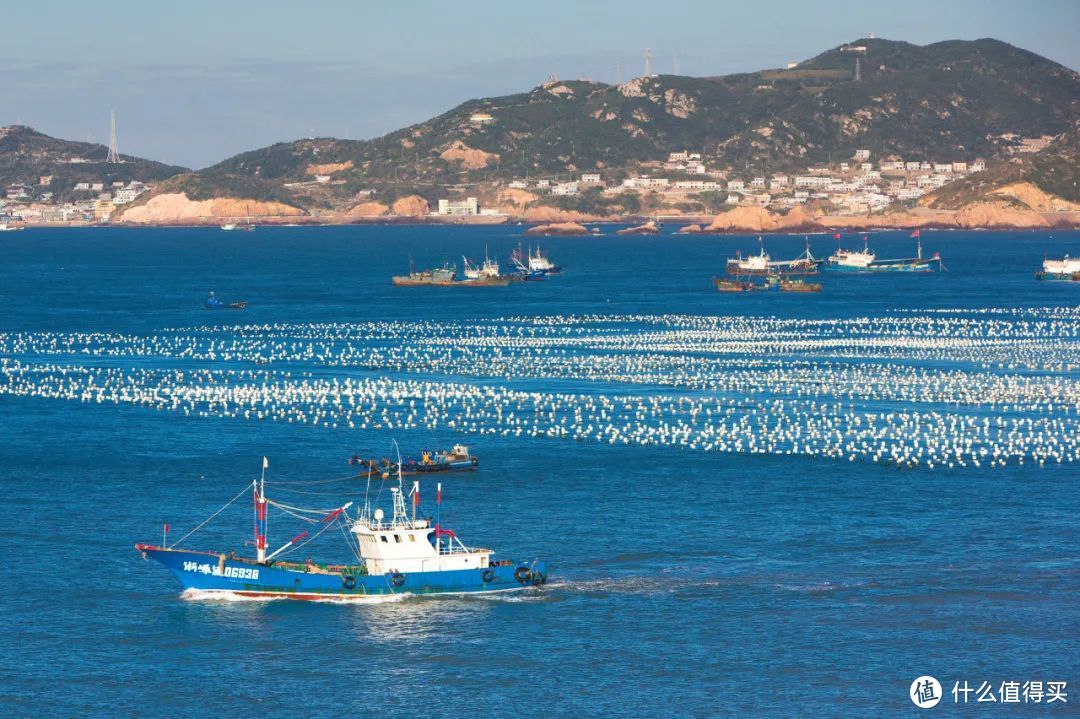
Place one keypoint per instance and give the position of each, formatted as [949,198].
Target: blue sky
[196,81]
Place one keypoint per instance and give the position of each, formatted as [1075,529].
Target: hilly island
[874,133]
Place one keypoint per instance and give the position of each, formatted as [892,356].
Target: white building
[736,185]
[697,185]
[590,178]
[758,183]
[519,184]
[481,118]
[862,155]
[978,166]
[565,188]
[467,206]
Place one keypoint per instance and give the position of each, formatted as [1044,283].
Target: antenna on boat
[415,498]
[260,513]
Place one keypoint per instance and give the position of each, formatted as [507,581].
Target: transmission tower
[675,65]
[618,73]
[114,154]
[858,69]
[648,62]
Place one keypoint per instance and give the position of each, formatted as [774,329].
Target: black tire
[397,578]
[488,576]
[523,574]
[349,582]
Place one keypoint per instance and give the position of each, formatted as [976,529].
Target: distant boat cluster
[528,266]
[762,272]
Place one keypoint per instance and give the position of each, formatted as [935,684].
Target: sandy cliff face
[411,206]
[514,200]
[470,159]
[328,168]
[368,209]
[178,208]
[553,214]
[994,214]
[1035,198]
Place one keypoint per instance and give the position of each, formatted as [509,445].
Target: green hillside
[26,155]
[956,100]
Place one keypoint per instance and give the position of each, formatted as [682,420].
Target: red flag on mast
[916,233]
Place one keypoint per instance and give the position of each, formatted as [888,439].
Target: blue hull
[213,573]
[884,267]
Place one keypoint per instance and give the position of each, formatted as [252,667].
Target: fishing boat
[213,302]
[228,226]
[866,261]
[537,262]
[763,264]
[799,286]
[484,275]
[732,285]
[456,459]
[1067,268]
[405,554]
[524,272]
[442,276]
[5,227]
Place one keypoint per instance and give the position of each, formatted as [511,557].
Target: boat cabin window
[412,537]
[397,538]
[384,539]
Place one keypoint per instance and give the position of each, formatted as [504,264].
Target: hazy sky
[195,81]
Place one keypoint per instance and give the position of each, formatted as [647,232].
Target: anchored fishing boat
[457,459]
[484,275]
[866,260]
[799,286]
[1067,268]
[763,264]
[404,555]
[442,276]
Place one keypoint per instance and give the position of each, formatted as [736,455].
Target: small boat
[228,226]
[1067,268]
[799,286]
[732,285]
[5,227]
[213,302]
[405,554]
[442,276]
[457,459]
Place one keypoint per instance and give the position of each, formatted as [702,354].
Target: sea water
[713,478]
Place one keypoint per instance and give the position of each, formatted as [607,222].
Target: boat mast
[260,514]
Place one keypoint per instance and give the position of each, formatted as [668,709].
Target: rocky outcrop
[690,230]
[411,206]
[368,209]
[649,228]
[558,228]
[747,219]
[469,158]
[178,208]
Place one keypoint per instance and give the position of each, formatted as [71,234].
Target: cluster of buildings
[91,201]
[856,186]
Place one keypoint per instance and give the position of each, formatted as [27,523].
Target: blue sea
[761,505]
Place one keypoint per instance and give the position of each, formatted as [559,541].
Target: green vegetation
[26,155]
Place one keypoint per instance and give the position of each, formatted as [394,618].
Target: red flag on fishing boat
[916,233]
[166,528]
[836,236]
[333,514]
